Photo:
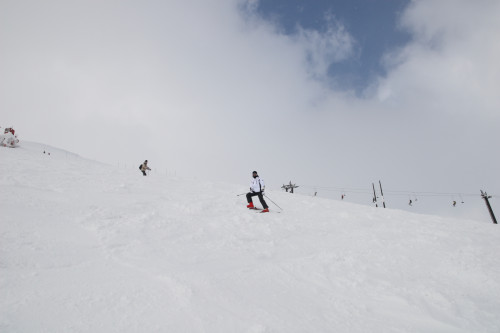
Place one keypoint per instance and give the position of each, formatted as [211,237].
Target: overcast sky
[335,94]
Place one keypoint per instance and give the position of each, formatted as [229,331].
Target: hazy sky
[334,94]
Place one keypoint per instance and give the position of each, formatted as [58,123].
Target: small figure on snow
[143,167]
[257,189]
[454,203]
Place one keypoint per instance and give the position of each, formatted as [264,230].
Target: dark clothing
[144,167]
[261,198]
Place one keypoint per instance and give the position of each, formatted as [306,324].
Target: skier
[144,167]
[257,188]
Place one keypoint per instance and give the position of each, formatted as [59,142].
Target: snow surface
[86,247]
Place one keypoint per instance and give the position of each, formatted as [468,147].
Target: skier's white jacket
[257,185]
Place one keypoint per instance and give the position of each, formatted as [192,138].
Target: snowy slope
[85,247]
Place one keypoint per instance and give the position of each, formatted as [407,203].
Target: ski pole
[273,202]
[240,194]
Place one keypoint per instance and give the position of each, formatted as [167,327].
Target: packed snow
[88,247]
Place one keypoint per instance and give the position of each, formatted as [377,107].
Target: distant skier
[257,189]
[143,167]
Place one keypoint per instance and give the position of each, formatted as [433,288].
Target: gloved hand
[251,189]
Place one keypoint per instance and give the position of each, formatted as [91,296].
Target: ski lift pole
[485,196]
[273,202]
[374,196]
[382,193]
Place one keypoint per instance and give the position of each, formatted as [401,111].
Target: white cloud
[451,60]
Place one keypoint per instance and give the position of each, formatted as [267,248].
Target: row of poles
[484,195]
[376,198]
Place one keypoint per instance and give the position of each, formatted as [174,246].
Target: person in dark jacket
[144,167]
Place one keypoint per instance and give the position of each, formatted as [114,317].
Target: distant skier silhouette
[143,167]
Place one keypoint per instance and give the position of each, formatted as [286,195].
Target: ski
[260,210]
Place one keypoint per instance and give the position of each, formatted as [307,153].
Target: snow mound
[8,139]
[85,247]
